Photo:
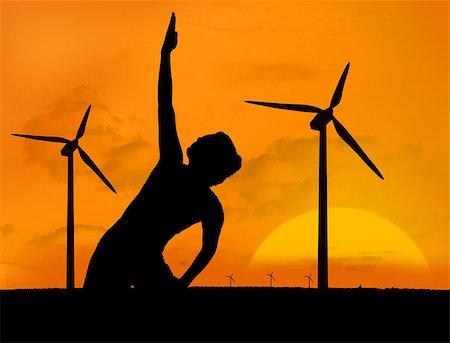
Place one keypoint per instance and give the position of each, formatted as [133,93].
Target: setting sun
[357,240]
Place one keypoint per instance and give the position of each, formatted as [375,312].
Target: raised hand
[171,40]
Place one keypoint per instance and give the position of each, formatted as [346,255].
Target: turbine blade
[43,138]
[92,165]
[339,88]
[82,127]
[347,138]
[293,107]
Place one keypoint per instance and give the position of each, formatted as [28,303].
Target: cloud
[44,240]
[286,160]
[230,29]
[6,230]
[408,152]
[15,265]
[344,260]
[115,143]
[267,184]
[60,234]
[129,164]
[284,179]
[62,118]
[369,254]
[266,74]
[233,255]
[361,267]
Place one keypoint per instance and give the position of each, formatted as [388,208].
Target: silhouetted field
[209,314]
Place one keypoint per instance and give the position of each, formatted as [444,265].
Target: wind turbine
[309,280]
[68,150]
[271,278]
[231,278]
[319,123]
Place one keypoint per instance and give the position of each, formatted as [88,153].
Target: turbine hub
[69,148]
[321,119]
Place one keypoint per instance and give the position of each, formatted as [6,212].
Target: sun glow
[355,238]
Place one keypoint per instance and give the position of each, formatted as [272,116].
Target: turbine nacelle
[70,147]
[321,119]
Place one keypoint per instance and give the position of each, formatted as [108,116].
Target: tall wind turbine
[309,280]
[68,150]
[231,278]
[271,278]
[319,123]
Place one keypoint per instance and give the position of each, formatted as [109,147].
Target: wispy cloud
[9,264]
[50,237]
[361,267]
[233,255]
[344,260]
[115,143]
[62,118]
[129,164]
[6,230]
[266,74]
[284,179]
[60,234]
[223,28]
[268,183]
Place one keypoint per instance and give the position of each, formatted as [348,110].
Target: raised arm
[169,144]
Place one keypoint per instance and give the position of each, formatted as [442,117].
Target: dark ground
[241,314]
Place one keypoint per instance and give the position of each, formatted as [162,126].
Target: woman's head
[214,158]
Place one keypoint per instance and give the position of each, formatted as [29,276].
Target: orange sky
[59,57]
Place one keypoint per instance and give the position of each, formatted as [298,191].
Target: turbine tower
[319,123]
[309,280]
[271,278]
[68,150]
[231,278]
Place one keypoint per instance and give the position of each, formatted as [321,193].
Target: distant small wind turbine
[309,280]
[231,278]
[271,278]
[319,123]
[68,150]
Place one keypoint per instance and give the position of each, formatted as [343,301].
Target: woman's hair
[214,157]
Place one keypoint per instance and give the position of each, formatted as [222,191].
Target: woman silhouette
[174,197]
